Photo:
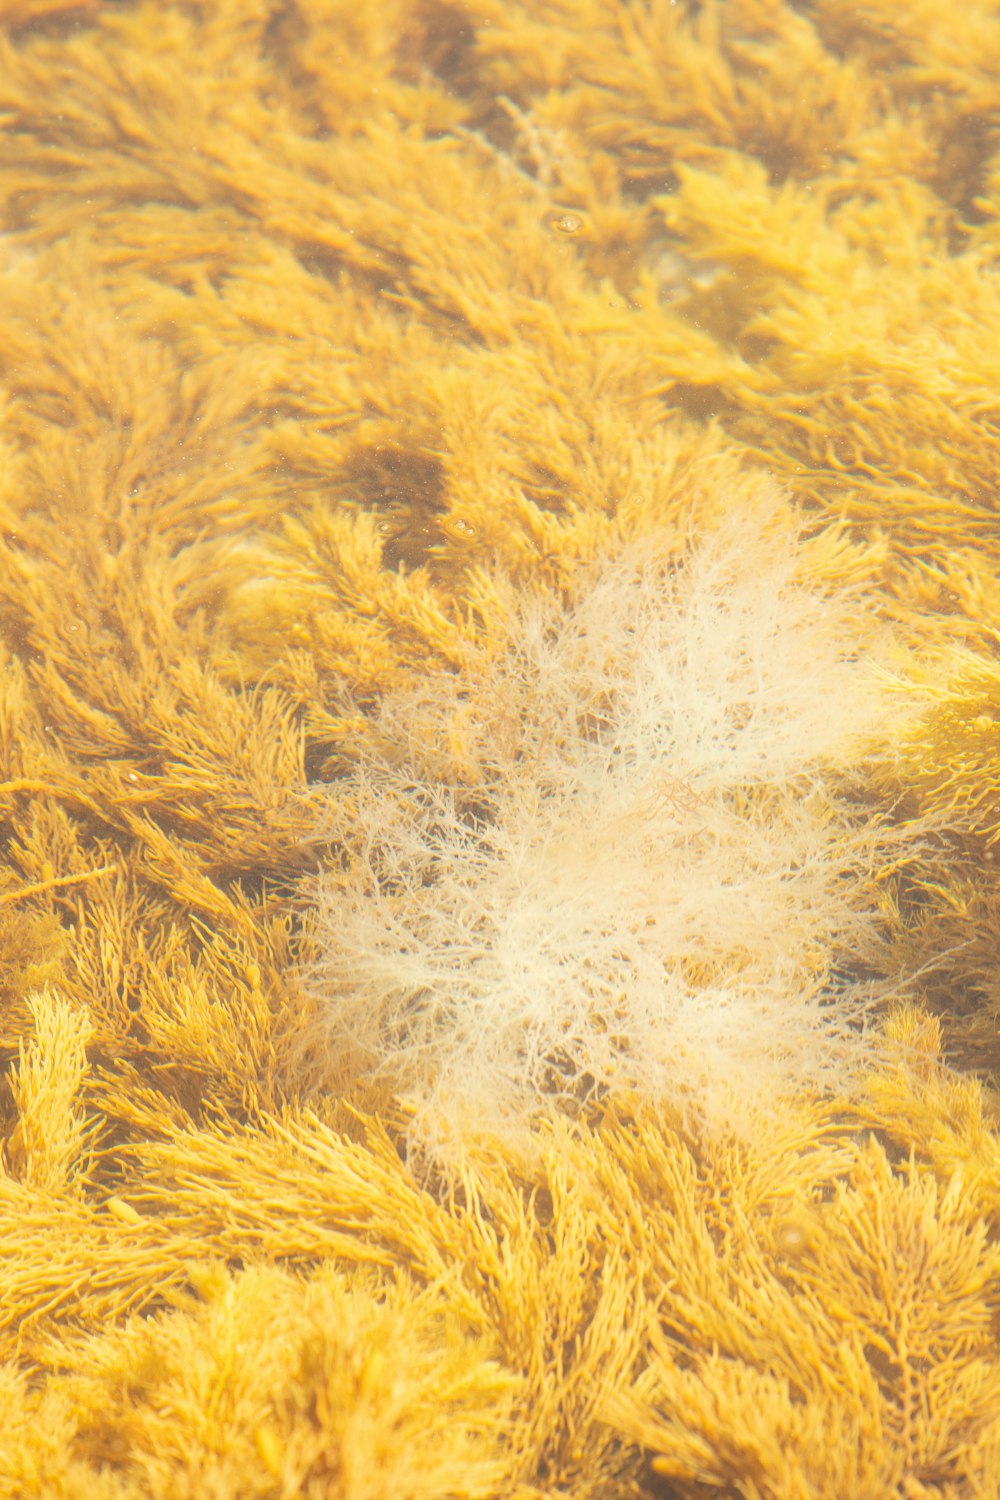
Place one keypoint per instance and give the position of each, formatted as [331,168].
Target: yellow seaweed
[328,333]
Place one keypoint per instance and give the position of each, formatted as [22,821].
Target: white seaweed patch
[617,854]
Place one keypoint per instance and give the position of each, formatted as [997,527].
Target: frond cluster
[617,850]
[393,395]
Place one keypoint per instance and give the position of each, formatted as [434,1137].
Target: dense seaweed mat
[348,352]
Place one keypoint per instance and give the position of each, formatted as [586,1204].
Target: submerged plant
[618,851]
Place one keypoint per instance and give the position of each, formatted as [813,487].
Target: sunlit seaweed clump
[397,400]
[617,850]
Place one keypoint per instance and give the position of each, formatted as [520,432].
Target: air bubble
[460,527]
[568,224]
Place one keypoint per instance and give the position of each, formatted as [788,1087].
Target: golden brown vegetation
[317,320]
